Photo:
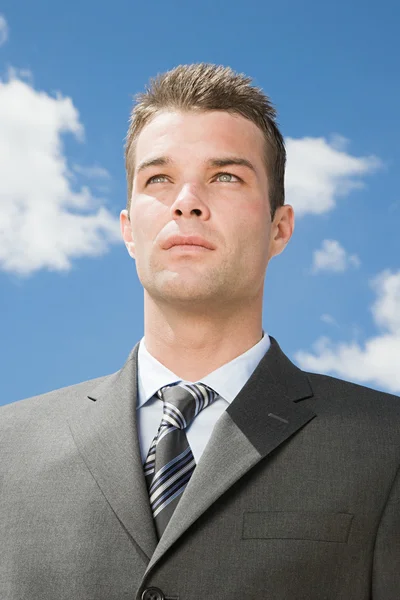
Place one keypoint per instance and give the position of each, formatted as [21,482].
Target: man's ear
[126,232]
[281,229]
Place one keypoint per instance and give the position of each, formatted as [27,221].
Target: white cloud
[328,319]
[44,221]
[319,172]
[386,309]
[354,260]
[93,172]
[3,30]
[377,361]
[333,257]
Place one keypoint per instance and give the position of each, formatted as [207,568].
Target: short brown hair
[206,87]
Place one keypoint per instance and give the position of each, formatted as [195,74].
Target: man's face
[189,195]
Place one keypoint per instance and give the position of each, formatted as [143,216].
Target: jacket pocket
[318,526]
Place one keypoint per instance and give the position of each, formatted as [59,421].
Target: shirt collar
[227,380]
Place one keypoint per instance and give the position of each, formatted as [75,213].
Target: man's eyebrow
[162,161]
[231,160]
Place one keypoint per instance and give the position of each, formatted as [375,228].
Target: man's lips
[188,248]
[191,241]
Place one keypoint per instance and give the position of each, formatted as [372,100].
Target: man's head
[204,157]
[206,87]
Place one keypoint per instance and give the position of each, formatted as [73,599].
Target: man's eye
[227,176]
[162,178]
[151,180]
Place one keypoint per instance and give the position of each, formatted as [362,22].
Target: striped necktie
[170,461]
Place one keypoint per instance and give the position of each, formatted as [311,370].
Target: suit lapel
[262,416]
[105,432]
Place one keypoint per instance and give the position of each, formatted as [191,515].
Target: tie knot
[184,401]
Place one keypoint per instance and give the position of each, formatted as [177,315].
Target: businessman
[208,466]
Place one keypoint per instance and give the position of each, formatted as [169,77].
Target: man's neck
[194,346]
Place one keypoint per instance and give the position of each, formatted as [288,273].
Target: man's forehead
[219,133]
[204,120]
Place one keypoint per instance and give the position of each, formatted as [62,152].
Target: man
[209,466]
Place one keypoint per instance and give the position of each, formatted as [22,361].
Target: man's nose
[190,200]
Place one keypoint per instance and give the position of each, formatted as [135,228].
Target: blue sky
[70,300]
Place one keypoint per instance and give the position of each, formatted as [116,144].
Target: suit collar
[227,380]
[264,414]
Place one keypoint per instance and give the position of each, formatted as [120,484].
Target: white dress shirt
[227,381]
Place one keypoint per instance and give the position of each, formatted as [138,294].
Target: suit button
[153,593]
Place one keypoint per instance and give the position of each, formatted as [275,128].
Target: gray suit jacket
[297,495]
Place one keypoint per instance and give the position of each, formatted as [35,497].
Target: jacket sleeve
[386,562]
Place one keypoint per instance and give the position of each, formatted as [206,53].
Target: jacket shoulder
[349,387]
[57,401]
[344,394]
